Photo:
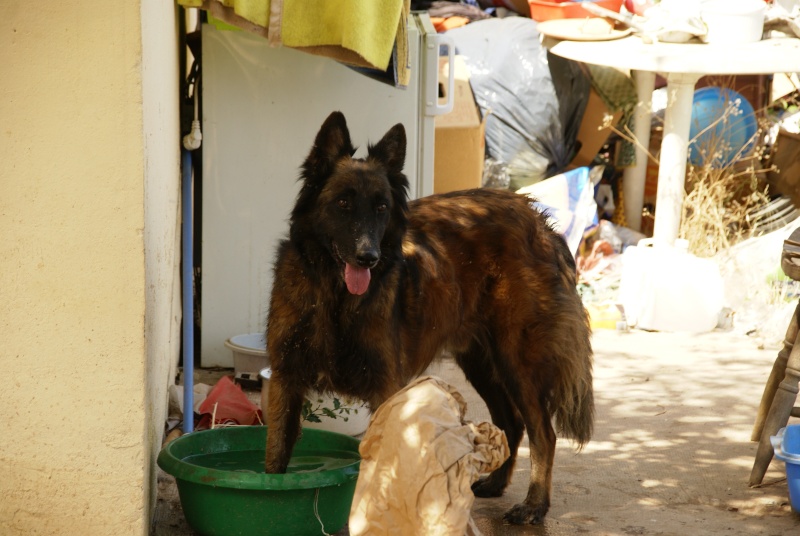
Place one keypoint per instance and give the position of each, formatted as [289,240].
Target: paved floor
[671,453]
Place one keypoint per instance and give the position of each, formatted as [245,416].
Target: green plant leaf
[306,410]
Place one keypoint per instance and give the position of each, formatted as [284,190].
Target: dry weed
[719,197]
[716,206]
[723,192]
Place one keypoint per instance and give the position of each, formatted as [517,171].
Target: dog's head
[355,209]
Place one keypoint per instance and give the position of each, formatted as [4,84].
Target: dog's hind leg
[478,371]
[542,444]
[283,424]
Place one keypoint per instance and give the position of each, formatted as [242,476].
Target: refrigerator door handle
[433,43]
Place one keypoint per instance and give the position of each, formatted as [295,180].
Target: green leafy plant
[312,411]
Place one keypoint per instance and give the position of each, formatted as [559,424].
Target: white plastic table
[682,65]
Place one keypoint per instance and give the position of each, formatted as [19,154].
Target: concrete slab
[671,453]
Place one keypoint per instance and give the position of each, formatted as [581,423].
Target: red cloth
[442,24]
[232,406]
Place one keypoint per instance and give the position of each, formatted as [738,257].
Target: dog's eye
[343,203]
[381,207]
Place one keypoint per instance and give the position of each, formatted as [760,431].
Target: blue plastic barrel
[723,127]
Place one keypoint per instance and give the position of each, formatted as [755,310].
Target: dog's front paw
[525,514]
[487,487]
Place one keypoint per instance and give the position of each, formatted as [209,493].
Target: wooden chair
[780,393]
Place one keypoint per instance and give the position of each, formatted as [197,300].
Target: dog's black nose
[367,259]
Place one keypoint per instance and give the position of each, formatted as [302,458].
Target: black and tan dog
[370,288]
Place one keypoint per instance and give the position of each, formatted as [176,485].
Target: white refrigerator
[262,108]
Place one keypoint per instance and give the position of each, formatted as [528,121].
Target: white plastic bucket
[666,288]
[733,21]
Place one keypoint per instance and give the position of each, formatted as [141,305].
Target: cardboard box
[459,136]
[590,133]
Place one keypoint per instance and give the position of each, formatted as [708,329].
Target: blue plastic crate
[787,449]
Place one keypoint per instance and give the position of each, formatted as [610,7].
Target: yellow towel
[371,34]
[402,66]
[358,32]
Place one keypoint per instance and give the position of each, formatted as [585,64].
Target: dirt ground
[671,454]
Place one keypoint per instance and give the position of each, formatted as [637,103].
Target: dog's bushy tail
[574,413]
[572,402]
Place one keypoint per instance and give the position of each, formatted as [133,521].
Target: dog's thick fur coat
[369,289]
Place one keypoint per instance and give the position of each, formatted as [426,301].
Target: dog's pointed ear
[331,144]
[391,150]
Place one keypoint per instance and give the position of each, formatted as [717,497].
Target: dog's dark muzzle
[367,252]
[368,258]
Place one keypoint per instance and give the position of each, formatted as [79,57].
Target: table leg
[634,177]
[674,149]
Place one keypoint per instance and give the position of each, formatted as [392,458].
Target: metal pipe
[188,295]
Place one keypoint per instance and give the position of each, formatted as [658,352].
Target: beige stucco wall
[88,209]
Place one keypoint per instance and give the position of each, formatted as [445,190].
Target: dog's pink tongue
[357,279]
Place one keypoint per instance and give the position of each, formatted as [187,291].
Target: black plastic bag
[531,124]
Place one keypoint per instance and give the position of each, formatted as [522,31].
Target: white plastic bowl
[249,352]
[351,416]
[733,21]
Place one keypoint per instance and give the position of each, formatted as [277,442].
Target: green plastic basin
[224,491]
